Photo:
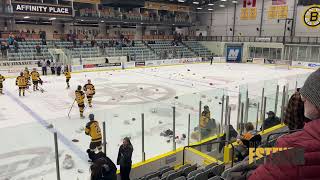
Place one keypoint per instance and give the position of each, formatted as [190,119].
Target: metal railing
[208,144]
[267,39]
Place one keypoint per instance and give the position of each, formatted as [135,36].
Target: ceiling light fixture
[199,8]
[195,2]
[222,5]
[26,17]
[235,2]
[210,9]
[53,18]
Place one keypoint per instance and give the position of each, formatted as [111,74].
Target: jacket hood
[313,128]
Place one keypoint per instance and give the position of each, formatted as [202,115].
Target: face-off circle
[130,93]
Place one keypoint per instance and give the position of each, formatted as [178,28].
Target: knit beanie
[311,88]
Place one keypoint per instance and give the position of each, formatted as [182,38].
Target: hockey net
[279,63]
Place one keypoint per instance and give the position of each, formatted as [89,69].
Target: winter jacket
[309,140]
[270,122]
[125,155]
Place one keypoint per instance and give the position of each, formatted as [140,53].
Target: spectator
[271,121]
[308,139]
[4,48]
[241,150]
[10,39]
[102,168]
[44,67]
[294,115]
[124,159]
[38,49]
[16,46]
[233,134]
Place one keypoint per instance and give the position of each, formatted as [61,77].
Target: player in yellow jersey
[93,130]
[21,82]
[35,76]
[1,83]
[26,74]
[90,91]
[80,100]
[67,74]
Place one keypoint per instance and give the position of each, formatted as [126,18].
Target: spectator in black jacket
[125,159]
[271,121]
[102,168]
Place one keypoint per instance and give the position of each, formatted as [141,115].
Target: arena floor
[27,147]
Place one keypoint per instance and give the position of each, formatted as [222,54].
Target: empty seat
[201,176]
[166,174]
[189,169]
[215,178]
[181,178]
[194,173]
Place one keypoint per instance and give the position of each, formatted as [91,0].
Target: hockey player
[35,76]
[93,130]
[67,74]
[90,91]
[21,82]
[1,83]
[26,74]
[80,100]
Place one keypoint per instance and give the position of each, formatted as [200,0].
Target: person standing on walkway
[125,159]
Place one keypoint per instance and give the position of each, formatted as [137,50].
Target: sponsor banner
[18,63]
[108,65]
[140,63]
[76,68]
[306,64]
[151,63]
[279,2]
[129,64]
[42,9]
[86,66]
[249,3]
[234,54]
[15,71]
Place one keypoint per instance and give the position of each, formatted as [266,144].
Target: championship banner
[249,10]
[278,12]
[167,7]
[42,9]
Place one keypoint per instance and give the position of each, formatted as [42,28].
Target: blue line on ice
[82,155]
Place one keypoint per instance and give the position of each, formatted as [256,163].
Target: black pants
[44,71]
[53,70]
[125,172]
[58,71]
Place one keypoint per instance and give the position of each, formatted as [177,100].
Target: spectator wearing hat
[271,121]
[308,139]
[102,167]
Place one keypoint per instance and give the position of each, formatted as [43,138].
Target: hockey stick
[71,108]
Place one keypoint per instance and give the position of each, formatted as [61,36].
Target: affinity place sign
[42,9]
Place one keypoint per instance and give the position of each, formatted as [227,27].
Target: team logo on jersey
[312,16]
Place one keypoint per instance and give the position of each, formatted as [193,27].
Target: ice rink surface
[27,147]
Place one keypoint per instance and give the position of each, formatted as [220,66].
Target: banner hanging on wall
[311,16]
[278,11]
[42,9]
[249,10]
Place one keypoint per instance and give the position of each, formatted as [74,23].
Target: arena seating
[186,172]
[176,51]
[142,50]
[198,48]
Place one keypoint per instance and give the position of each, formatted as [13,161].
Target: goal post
[280,63]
